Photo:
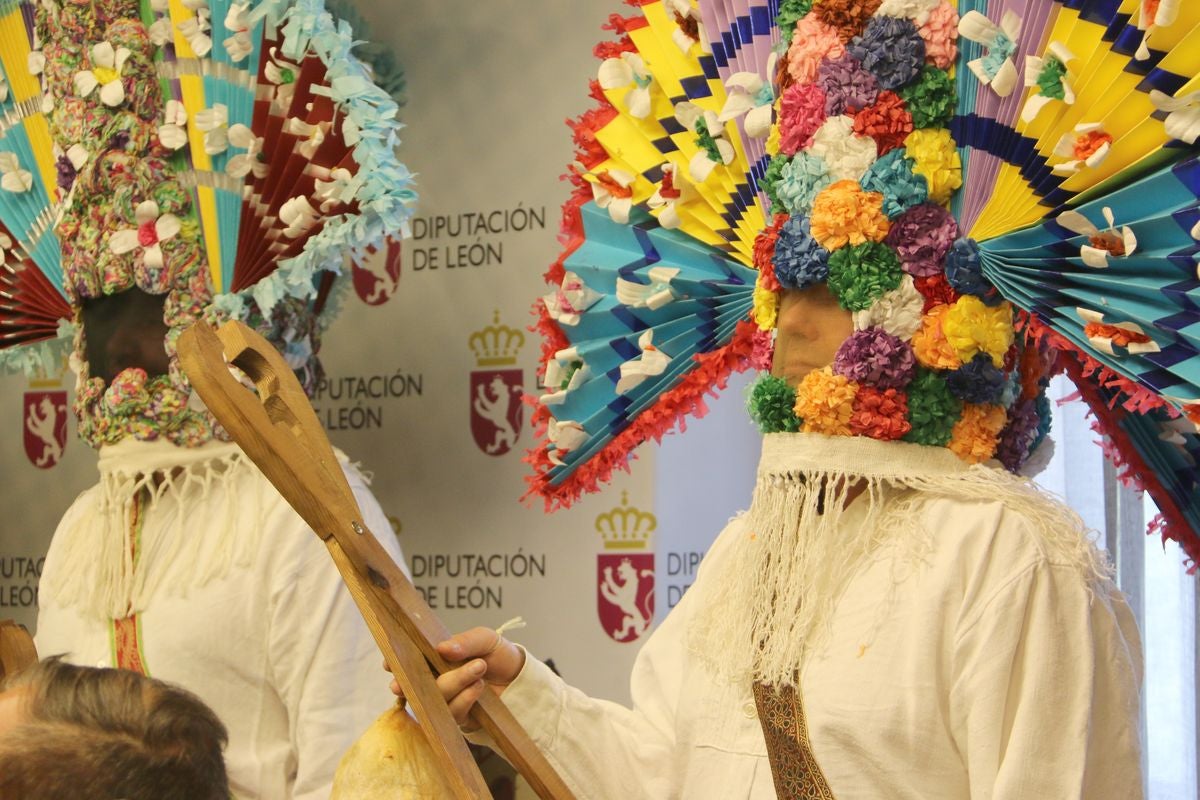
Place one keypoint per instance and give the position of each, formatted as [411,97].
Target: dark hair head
[101,734]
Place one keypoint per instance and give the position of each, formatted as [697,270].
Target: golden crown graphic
[625,527]
[496,345]
[47,380]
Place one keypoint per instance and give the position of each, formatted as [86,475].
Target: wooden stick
[16,648]
[280,433]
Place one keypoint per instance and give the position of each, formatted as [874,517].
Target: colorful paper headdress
[227,155]
[997,189]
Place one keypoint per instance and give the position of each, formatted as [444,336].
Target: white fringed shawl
[808,533]
[213,490]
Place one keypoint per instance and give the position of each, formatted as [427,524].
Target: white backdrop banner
[428,361]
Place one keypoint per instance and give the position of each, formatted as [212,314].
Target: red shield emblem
[496,409]
[625,596]
[44,418]
[376,279]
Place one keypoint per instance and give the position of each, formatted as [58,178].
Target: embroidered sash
[793,766]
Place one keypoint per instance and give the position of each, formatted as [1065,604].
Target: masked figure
[857,199]
[172,199]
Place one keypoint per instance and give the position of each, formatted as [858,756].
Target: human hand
[485,660]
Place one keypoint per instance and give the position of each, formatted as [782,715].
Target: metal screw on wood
[359,529]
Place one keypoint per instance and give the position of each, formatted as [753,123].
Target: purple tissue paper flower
[877,358]
[847,85]
[921,236]
[1019,436]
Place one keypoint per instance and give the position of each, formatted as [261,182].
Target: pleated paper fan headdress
[224,155]
[996,189]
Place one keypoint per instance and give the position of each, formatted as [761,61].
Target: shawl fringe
[98,571]
[823,508]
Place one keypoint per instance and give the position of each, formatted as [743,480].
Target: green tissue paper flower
[771,178]
[932,410]
[860,275]
[772,404]
[931,98]
[1050,79]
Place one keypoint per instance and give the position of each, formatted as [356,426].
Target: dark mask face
[125,330]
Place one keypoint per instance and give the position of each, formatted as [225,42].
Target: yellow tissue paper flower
[774,137]
[937,160]
[930,345]
[971,326]
[766,307]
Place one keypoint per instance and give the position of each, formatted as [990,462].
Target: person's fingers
[504,659]
[452,683]
[395,687]
[460,706]
[469,644]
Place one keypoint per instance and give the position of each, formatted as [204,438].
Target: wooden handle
[280,433]
[16,648]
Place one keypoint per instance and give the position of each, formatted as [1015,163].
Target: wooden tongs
[279,431]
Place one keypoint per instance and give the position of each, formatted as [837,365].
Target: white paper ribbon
[1183,114]
[213,121]
[1104,344]
[104,56]
[651,362]
[654,295]
[12,177]
[977,28]
[1094,256]
[557,370]
[617,73]
[566,305]
[618,208]
[297,215]
[566,435]
[1066,149]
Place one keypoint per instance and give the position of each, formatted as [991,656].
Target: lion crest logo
[377,276]
[44,419]
[625,572]
[497,386]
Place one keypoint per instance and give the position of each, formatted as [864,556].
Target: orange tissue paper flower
[1086,144]
[847,17]
[1118,336]
[764,253]
[977,432]
[888,122]
[930,344]
[826,402]
[843,214]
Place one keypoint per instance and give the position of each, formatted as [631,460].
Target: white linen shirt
[991,673]
[276,647]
